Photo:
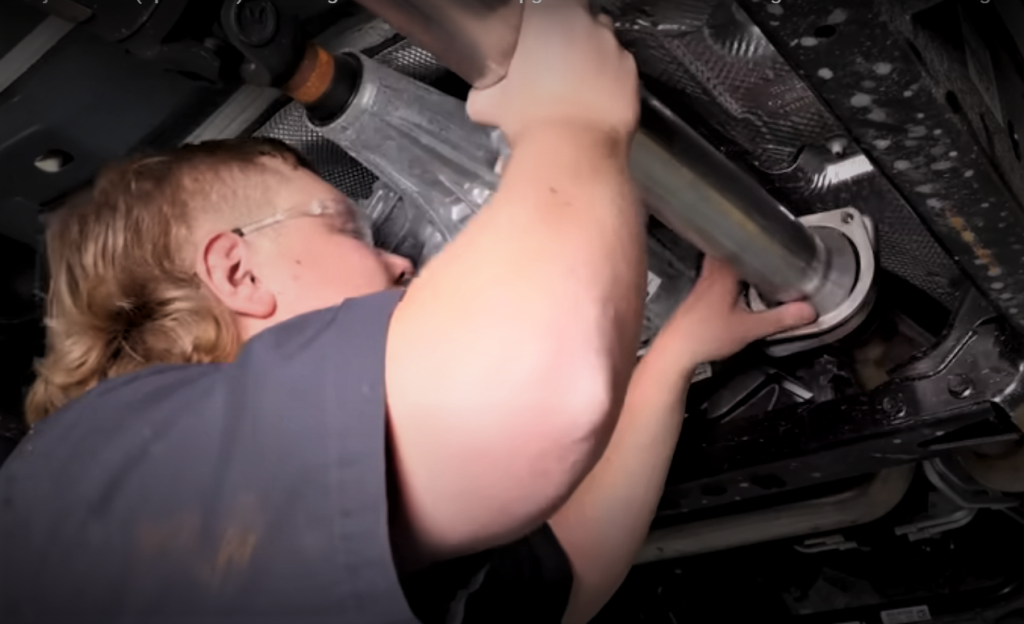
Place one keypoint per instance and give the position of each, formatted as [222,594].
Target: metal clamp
[944,514]
[859,230]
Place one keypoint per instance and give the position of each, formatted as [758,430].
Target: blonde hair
[123,294]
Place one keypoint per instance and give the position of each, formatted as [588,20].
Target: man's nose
[400,268]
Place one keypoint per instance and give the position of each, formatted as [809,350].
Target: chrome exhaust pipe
[474,38]
[689,185]
[860,505]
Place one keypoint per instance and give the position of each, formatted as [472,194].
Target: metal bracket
[933,527]
[923,411]
[944,514]
[825,544]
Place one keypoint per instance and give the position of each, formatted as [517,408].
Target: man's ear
[225,265]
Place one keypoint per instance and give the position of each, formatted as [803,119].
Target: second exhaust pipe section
[700,194]
[766,246]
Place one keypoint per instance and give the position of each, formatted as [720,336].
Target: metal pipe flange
[851,238]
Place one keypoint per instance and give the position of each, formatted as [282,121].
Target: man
[240,417]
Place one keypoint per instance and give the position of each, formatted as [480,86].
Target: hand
[568,70]
[713,323]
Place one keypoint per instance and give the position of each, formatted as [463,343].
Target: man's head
[181,257]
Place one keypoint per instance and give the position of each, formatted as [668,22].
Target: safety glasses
[350,219]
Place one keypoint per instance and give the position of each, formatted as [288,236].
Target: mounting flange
[858,231]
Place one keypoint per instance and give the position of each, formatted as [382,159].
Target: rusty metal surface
[847,177]
[858,57]
[709,61]
[731,75]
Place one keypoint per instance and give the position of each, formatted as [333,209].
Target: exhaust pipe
[474,38]
[863,504]
[688,185]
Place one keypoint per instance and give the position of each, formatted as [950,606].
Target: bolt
[960,386]
[893,406]
[255,22]
[837,145]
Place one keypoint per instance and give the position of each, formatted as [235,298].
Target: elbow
[582,407]
[579,382]
[591,404]
[570,383]
[594,378]
[555,435]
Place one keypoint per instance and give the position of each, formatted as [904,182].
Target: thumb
[779,319]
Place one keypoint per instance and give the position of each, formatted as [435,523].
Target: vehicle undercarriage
[868,470]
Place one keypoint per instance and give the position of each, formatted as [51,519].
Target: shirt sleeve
[526,581]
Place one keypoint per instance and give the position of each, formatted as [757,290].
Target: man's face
[310,262]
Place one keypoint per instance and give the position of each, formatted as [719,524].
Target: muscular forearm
[604,523]
[530,321]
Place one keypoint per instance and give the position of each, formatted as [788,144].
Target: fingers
[551,18]
[782,318]
[718,269]
[547,14]
[717,276]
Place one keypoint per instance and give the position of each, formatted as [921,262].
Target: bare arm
[508,358]
[606,520]
[604,523]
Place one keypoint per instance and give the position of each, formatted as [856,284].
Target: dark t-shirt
[247,492]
